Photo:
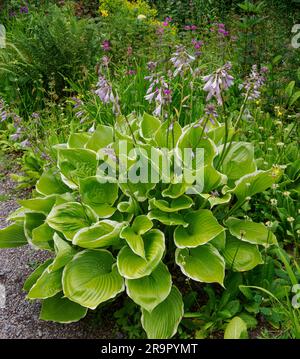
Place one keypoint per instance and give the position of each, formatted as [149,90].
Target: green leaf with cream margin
[102,234]
[76,163]
[168,219]
[99,195]
[70,217]
[255,233]
[241,256]
[151,290]
[13,236]
[61,310]
[132,266]
[202,228]
[133,234]
[162,322]
[202,264]
[177,204]
[149,126]
[92,278]
[256,182]
[64,253]
[47,285]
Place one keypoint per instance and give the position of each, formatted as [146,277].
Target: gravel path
[20,318]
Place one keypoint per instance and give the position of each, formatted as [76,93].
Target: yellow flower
[104,13]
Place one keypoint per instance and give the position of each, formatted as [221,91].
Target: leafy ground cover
[158,148]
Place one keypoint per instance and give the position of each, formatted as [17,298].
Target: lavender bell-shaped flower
[181,60]
[218,82]
[254,82]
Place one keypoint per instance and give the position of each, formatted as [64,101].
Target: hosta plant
[113,228]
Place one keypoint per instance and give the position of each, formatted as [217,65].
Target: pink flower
[106,45]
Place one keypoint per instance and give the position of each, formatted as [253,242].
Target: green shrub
[44,49]
[108,235]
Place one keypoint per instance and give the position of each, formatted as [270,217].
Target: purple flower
[131,72]
[254,82]
[106,45]
[25,144]
[181,60]
[129,51]
[35,115]
[12,13]
[218,82]
[160,31]
[24,10]
[105,92]
[158,92]
[105,61]
[151,65]
[187,27]
[197,44]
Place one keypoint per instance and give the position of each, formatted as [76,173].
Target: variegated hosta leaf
[191,139]
[102,234]
[32,220]
[61,310]
[41,205]
[149,126]
[177,204]
[75,164]
[253,183]
[98,195]
[133,234]
[132,266]
[202,228]
[92,278]
[42,237]
[50,183]
[255,233]
[241,256]
[175,190]
[78,140]
[101,138]
[64,253]
[70,217]
[35,275]
[202,264]
[150,290]
[13,236]
[216,199]
[47,285]
[162,322]
[239,160]
[167,136]
[168,219]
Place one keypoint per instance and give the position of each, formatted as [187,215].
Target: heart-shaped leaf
[102,234]
[61,310]
[162,322]
[70,217]
[202,264]
[202,228]
[99,195]
[92,278]
[150,290]
[132,266]
[241,256]
[255,233]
